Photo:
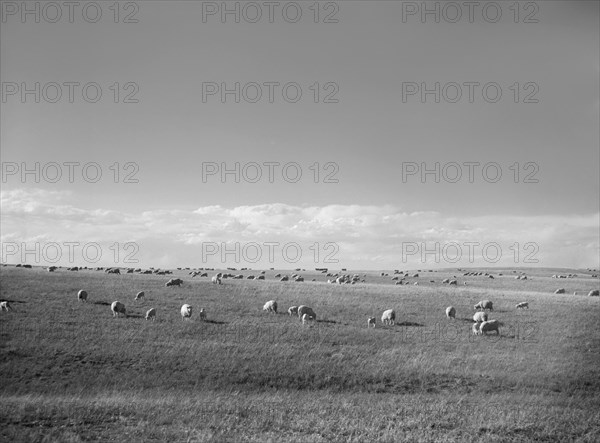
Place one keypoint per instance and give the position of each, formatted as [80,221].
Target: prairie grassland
[72,372]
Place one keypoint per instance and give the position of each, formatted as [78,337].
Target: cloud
[357,236]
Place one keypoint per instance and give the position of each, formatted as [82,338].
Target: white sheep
[82,295]
[140,295]
[293,310]
[450,312]
[480,317]
[186,311]
[118,308]
[487,326]
[370,322]
[5,306]
[560,291]
[388,317]
[202,314]
[475,328]
[216,279]
[306,318]
[270,306]
[306,310]
[522,305]
[151,314]
[484,304]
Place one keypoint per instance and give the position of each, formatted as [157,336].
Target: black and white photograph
[299,221]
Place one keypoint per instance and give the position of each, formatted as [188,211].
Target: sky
[373,166]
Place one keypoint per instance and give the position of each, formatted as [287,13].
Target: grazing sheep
[522,305]
[216,279]
[306,318]
[484,304]
[475,328]
[450,312]
[5,306]
[446,280]
[293,310]
[453,282]
[202,314]
[388,317]
[139,295]
[82,295]
[118,308]
[270,306]
[480,317]
[560,291]
[174,282]
[594,293]
[306,310]
[371,322]
[284,278]
[186,311]
[487,326]
[151,314]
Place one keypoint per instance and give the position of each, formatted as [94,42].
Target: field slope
[72,372]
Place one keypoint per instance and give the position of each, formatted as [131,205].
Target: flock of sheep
[482,324]
[303,312]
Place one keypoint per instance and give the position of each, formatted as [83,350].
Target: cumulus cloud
[354,236]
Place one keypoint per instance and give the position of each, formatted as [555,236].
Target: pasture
[71,372]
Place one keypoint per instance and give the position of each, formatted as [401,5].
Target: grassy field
[71,372]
